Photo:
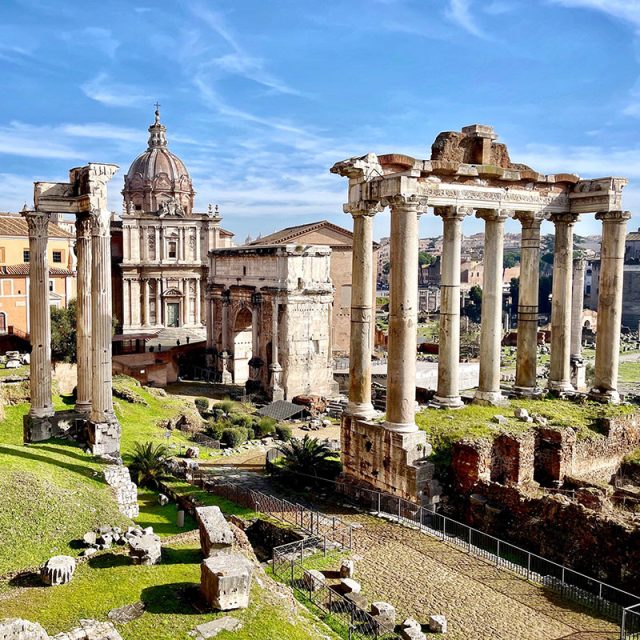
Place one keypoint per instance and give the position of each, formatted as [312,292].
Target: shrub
[311,457]
[147,464]
[251,433]
[265,427]
[234,436]
[283,432]
[215,428]
[227,406]
[242,420]
[202,405]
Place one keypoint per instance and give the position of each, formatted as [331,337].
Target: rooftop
[13,224]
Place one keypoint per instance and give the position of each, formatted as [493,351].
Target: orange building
[14,271]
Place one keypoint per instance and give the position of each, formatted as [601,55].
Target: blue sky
[261,97]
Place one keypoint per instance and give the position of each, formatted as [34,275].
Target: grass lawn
[170,593]
[629,372]
[444,427]
[20,371]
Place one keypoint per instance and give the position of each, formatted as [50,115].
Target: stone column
[527,350]
[448,392]
[146,319]
[491,323]
[403,314]
[135,303]
[614,229]
[198,302]
[156,251]
[158,318]
[361,309]
[39,315]
[226,374]
[577,306]
[83,314]
[277,392]
[560,365]
[101,316]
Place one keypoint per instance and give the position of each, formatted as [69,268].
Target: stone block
[384,614]
[145,549]
[225,581]
[103,437]
[162,499]
[118,477]
[58,570]
[91,630]
[521,414]
[213,628]
[216,536]
[313,580]
[193,452]
[348,585]
[411,629]
[18,629]
[438,624]
[347,568]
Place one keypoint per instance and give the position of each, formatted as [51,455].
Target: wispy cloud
[627,10]
[97,38]
[459,12]
[104,90]
[33,142]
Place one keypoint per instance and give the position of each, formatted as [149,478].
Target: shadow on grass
[29,454]
[171,555]
[110,560]
[174,598]
[26,580]
[67,448]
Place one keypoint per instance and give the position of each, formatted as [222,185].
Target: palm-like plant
[307,456]
[147,464]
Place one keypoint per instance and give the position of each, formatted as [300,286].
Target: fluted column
[101,318]
[156,249]
[39,315]
[560,365]
[277,393]
[146,319]
[198,302]
[614,229]
[360,346]
[448,392]
[83,314]
[488,391]
[577,305]
[528,303]
[158,318]
[403,314]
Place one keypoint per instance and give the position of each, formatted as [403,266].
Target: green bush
[283,432]
[265,427]
[242,420]
[234,436]
[214,428]
[251,433]
[202,405]
[227,406]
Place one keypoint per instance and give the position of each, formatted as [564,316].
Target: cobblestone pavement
[421,576]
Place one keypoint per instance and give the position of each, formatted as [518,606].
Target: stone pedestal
[385,460]
[448,392]
[145,549]
[488,392]
[614,226]
[225,581]
[227,378]
[216,537]
[361,310]
[560,365]
[58,570]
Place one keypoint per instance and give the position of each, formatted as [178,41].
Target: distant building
[14,271]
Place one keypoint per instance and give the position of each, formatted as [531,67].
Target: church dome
[158,181]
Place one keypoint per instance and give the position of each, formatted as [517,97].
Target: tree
[63,333]
[147,464]
[514,290]
[544,290]
[308,456]
[473,307]
[386,268]
[510,259]
[425,259]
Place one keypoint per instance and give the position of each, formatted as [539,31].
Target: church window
[173,249]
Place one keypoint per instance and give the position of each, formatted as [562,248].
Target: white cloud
[21,139]
[103,90]
[626,10]
[459,12]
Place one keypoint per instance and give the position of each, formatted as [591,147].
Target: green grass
[20,371]
[629,372]
[170,593]
[162,518]
[444,427]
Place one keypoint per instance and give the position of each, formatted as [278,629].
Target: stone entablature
[269,318]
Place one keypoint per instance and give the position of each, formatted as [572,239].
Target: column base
[528,392]
[362,410]
[606,396]
[579,375]
[560,386]
[41,413]
[83,408]
[453,402]
[277,393]
[401,427]
[103,438]
[226,378]
[37,429]
[489,398]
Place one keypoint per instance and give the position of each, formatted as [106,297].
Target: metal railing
[341,612]
[605,599]
[333,530]
[630,627]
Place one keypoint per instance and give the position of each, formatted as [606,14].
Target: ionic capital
[453,213]
[494,215]
[613,216]
[100,223]
[413,203]
[564,218]
[367,208]
[37,223]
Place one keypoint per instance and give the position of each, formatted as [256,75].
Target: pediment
[172,293]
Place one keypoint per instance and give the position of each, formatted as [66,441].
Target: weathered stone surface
[91,630]
[216,536]
[18,629]
[384,614]
[127,613]
[58,570]
[162,499]
[411,629]
[145,549]
[438,624]
[225,581]
[347,568]
[348,585]
[313,580]
[213,628]
[193,452]
[118,477]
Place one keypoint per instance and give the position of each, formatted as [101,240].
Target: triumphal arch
[94,420]
[468,173]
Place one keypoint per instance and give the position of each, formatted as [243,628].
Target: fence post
[292,562]
[379,495]
[469,540]
[498,554]
[398,509]
[325,545]
[302,553]
[529,566]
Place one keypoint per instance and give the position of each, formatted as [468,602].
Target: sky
[261,97]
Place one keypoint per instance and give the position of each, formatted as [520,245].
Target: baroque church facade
[165,243]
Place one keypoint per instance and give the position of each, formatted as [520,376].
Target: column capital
[412,202]
[613,216]
[100,222]
[529,218]
[564,218]
[38,223]
[453,212]
[83,226]
[367,208]
[494,215]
